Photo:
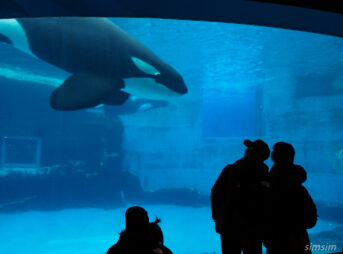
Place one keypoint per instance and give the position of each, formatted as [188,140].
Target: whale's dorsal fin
[144,66]
[84,90]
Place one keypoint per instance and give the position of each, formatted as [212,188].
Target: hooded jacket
[295,206]
[293,210]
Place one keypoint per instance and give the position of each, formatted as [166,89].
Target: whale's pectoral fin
[83,90]
[117,99]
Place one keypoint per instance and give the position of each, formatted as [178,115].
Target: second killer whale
[106,63]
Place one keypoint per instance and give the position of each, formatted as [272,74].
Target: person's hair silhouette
[136,217]
[157,235]
[257,150]
[283,153]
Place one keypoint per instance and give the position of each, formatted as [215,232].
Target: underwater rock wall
[304,106]
[171,152]
[312,126]
[166,162]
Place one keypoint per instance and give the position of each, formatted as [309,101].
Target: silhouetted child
[134,238]
[294,209]
[158,238]
[139,236]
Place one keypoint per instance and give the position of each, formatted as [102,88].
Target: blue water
[244,82]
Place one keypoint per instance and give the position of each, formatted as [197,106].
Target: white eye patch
[145,67]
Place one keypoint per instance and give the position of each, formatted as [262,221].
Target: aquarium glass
[67,177]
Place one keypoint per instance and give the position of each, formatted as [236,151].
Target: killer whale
[106,63]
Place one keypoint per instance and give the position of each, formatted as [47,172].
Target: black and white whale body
[106,63]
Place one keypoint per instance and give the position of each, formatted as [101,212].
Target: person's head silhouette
[136,217]
[256,150]
[156,231]
[283,153]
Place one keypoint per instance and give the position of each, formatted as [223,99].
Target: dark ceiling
[298,15]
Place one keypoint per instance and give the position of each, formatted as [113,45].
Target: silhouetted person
[139,235]
[134,239]
[294,209]
[157,236]
[237,199]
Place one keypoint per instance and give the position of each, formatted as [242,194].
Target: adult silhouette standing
[237,200]
[293,208]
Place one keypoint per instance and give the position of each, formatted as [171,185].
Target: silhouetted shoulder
[166,250]
[218,191]
[249,170]
[223,179]
[299,173]
[121,246]
[114,250]
[288,175]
